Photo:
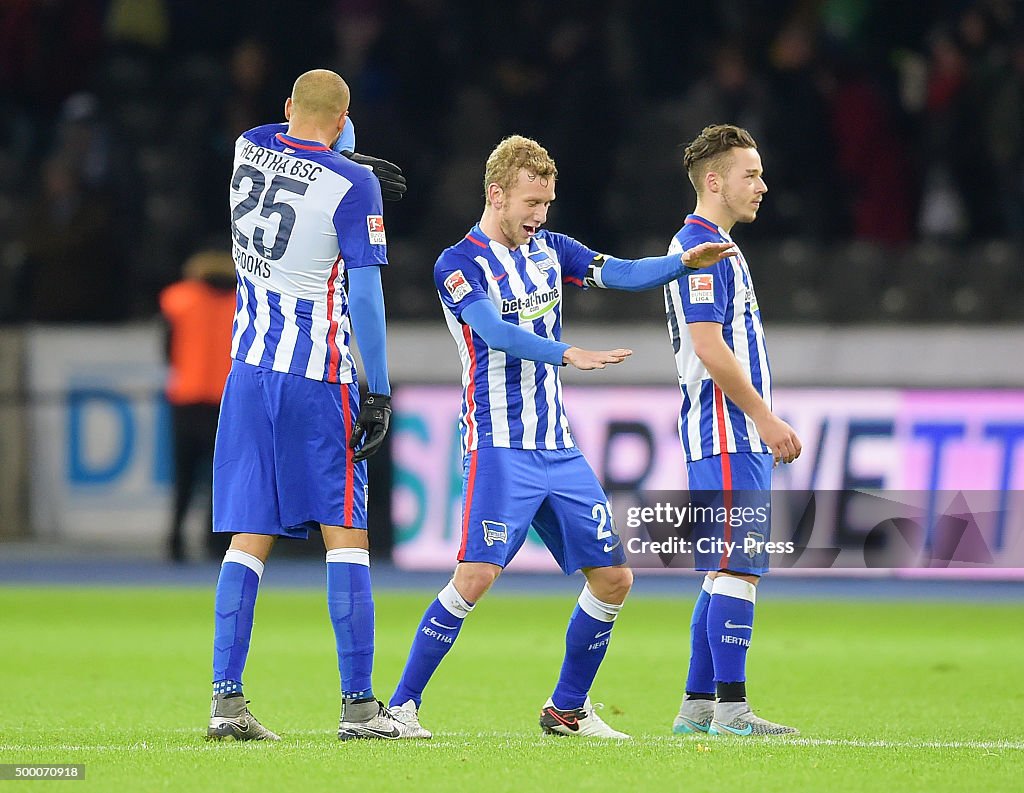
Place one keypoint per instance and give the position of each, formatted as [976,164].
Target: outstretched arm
[484,318]
[636,275]
[513,340]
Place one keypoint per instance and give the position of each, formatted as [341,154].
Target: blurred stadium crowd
[892,134]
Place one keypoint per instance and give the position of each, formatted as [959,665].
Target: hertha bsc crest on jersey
[375,225]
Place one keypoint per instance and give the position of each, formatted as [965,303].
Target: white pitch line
[781,740]
[1016,746]
[117,747]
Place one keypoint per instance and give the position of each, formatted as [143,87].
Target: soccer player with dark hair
[731,438]
[292,439]
[501,290]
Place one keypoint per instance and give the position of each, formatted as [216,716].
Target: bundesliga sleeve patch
[375,225]
[457,286]
[702,288]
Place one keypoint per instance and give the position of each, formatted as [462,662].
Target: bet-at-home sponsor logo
[534,305]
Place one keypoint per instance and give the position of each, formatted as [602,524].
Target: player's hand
[708,253]
[392,182]
[585,360]
[371,426]
[780,438]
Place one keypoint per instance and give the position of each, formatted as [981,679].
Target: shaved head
[320,93]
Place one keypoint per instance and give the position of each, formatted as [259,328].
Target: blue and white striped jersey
[507,401]
[709,422]
[301,215]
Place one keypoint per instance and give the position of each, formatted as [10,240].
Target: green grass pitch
[889,697]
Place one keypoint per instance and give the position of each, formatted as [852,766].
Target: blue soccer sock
[730,624]
[233,607]
[700,679]
[586,642]
[435,636]
[350,605]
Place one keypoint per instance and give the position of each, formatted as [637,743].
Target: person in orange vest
[199,311]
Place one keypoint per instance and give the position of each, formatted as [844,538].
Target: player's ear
[495,195]
[288,109]
[712,182]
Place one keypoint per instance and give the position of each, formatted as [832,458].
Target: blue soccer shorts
[504,491]
[281,464]
[737,487]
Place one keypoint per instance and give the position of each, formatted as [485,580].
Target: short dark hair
[707,151]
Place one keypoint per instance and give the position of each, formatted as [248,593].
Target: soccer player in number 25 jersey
[292,438]
[730,437]
[501,289]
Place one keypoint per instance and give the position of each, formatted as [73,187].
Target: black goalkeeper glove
[371,426]
[392,183]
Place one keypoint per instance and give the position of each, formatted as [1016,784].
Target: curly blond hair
[512,154]
[709,150]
